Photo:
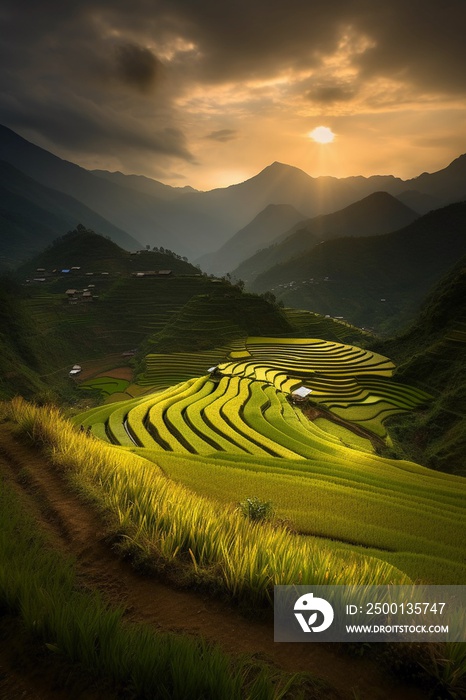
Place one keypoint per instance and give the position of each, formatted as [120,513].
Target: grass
[163,521]
[41,586]
[419,532]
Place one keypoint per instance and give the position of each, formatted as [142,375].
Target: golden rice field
[233,433]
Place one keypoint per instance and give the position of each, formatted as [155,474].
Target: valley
[193,437]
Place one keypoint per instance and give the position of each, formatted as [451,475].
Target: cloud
[422,40]
[223,135]
[418,42]
[78,81]
[137,66]
[147,81]
[328,94]
[94,128]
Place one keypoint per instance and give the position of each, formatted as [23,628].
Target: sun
[322,134]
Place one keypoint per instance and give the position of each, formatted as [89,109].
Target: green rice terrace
[219,421]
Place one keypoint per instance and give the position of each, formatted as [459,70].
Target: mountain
[376,281]
[280,184]
[284,184]
[419,202]
[45,328]
[430,354]
[271,222]
[376,214]
[84,249]
[32,216]
[446,185]
[196,223]
[144,184]
[149,219]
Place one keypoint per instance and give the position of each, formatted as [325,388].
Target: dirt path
[313,412]
[76,529]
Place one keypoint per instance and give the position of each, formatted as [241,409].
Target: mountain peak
[277,168]
[458,164]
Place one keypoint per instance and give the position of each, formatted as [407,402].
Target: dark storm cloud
[93,129]
[417,41]
[223,135]
[137,66]
[69,76]
[420,40]
[89,71]
[328,94]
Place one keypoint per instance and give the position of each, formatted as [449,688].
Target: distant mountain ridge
[261,231]
[375,279]
[140,183]
[195,223]
[376,214]
[149,219]
[32,216]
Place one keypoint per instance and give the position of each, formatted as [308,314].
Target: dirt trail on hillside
[74,528]
[313,412]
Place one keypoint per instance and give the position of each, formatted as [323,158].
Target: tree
[270,297]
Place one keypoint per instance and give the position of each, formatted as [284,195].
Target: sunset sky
[207,93]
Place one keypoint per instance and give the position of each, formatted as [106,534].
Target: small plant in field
[255,509]
[440,668]
[447,669]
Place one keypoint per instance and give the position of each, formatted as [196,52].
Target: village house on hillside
[78,296]
[152,273]
[300,394]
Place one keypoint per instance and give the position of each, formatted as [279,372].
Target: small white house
[301,393]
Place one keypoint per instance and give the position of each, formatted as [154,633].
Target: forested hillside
[431,354]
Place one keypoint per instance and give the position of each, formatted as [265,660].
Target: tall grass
[40,585]
[160,519]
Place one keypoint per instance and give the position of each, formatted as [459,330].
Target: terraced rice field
[165,369]
[106,385]
[234,433]
[310,324]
